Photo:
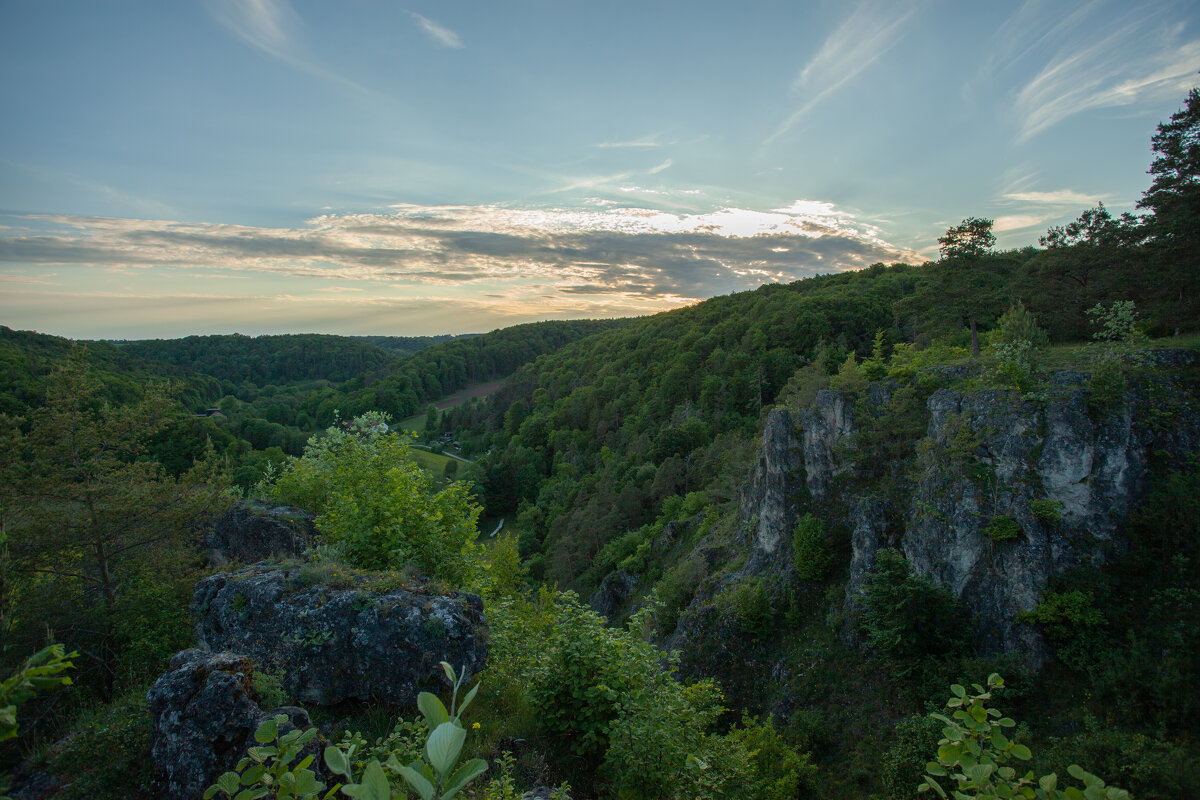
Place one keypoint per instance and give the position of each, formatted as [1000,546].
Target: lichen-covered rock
[330,645]
[251,531]
[204,713]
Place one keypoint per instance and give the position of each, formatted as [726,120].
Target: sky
[383,167]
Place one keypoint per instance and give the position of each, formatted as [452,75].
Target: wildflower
[474,726]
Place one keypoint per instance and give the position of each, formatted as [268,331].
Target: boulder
[617,587]
[330,644]
[204,714]
[251,531]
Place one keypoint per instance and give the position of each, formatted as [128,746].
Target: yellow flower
[474,726]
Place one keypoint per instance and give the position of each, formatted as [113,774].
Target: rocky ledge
[330,645]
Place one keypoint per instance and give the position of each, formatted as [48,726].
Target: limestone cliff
[1002,492]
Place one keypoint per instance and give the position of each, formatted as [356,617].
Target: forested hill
[591,440]
[266,359]
[443,369]
[27,360]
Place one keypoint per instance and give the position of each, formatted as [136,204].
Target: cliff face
[1000,494]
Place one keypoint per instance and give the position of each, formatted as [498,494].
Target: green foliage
[1106,386]
[751,607]
[88,516]
[1119,323]
[41,672]
[908,618]
[104,757]
[377,505]
[1068,619]
[1003,528]
[588,672]
[777,770]
[271,768]
[975,755]
[850,377]
[439,777]
[903,765]
[810,549]
[907,361]
[1046,511]
[1017,324]
[269,687]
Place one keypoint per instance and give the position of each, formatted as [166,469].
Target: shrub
[103,758]
[904,763]
[376,504]
[1003,528]
[810,549]
[1046,511]
[751,607]
[975,755]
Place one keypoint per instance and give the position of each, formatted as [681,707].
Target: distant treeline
[266,359]
[407,345]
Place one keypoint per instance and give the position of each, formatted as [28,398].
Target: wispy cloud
[271,26]
[1061,197]
[647,143]
[867,34]
[1139,58]
[439,34]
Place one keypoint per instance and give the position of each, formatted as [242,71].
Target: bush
[375,503]
[1046,511]
[751,607]
[1003,528]
[104,758]
[904,763]
[810,549]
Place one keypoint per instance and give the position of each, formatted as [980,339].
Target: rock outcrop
[768,505]
[204,714]
[1002,492]
[617,587]
[330,645]
[252,531]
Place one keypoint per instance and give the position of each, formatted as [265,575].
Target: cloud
[1061,197]
[1016,222]
[271,26]
[649,142]
[867,34]
[635,255]
[439,34]
[1137,58]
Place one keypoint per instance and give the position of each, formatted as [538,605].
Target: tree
[1174,199]
[85,511]
[961,280]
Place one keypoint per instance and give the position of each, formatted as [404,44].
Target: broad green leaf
[958,690]
[267,731]
[337,762]
[466,701]
[1048,782]
[1022,752]
[449,670]
[999,740]
[444,745]
[229,782]
[434,709]
[375,783]
[462,776]
[418,782]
